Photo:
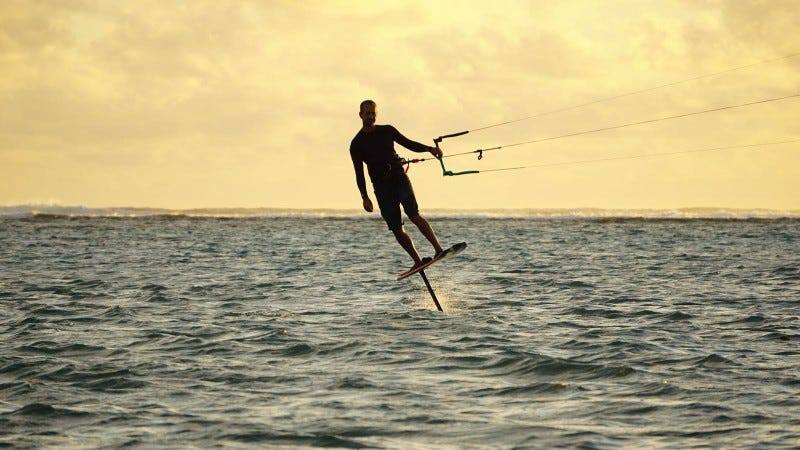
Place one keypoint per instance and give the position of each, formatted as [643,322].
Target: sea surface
[279,329]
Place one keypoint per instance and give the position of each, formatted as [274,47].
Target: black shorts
[393,193]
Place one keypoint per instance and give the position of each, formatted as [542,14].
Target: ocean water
[146,329]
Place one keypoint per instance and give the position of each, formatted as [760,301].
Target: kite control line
[480,152]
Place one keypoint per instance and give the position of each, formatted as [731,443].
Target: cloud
[769,25]
[269,90]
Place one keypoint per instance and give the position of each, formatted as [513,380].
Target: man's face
[368,114]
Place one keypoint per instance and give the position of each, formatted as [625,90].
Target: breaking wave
[55,211]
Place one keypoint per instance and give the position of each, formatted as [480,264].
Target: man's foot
[422,262]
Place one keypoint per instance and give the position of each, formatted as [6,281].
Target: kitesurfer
[373,145]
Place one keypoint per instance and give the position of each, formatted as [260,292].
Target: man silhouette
[373,145]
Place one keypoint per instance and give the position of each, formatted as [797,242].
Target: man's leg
[427,231]
[412,210]
[391,214]
[405,241]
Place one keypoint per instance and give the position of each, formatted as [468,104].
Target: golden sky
[254,103]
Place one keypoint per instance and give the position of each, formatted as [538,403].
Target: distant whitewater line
[30,211]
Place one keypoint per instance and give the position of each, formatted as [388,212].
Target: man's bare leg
[408,245]
[427,231]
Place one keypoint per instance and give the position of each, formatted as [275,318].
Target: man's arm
[414,146]
[361,182]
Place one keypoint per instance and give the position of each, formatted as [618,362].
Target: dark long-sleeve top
[376,149]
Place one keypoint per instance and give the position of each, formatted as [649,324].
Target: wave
[59,211]
[55,211]
[599,213]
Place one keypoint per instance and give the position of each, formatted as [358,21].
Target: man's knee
[419,221]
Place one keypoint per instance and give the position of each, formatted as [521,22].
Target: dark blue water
[186,332]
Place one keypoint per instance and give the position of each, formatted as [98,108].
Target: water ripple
[181,332]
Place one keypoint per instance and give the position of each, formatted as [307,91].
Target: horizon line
[695,212]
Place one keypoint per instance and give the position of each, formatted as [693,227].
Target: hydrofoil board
[447,253]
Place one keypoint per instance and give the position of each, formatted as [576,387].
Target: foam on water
[45,210]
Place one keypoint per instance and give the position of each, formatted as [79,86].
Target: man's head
[368,111]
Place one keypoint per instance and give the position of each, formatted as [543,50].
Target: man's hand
[435,151]
[367,204]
